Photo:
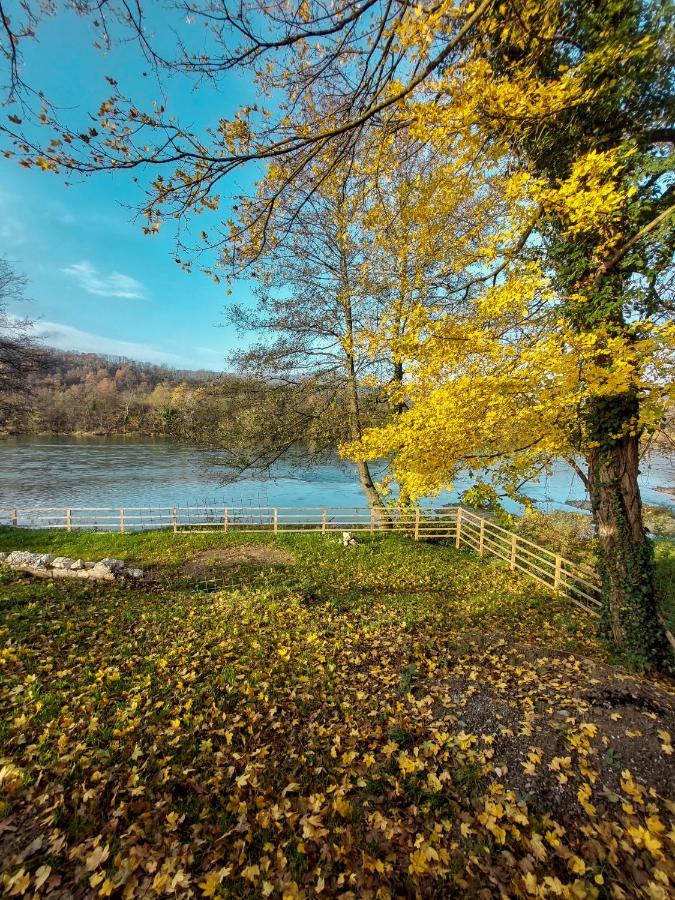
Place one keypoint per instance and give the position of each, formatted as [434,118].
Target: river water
[118,471]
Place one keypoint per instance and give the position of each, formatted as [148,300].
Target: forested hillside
[253,418]
[84,392]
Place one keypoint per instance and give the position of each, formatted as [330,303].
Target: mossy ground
[392,719]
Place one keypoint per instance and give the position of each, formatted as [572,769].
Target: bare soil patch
[230,557]
[557,725]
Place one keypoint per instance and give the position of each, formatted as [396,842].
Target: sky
[96,282]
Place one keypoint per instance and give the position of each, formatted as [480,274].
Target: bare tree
[19,352]
[311,308]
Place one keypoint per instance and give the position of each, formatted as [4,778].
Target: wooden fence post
[481,539]
[372,521]
[458,528]
[14,519]
[556,577]
[69,520]
[174,520]
[121,521]
[514,538]
[276,520]
[225,519]
[323,521]
[417,524]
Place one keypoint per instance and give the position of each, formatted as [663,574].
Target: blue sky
[96,282]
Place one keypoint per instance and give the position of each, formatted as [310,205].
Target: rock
[47,565]
[19,558]
[101,570]
[44,560]
[24,559]
[106,568]
[348,540]
[115,565]
[62,573]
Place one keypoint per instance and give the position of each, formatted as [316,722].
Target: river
[118,471]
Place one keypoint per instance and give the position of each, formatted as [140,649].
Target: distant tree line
[275,405]
[70,393]
[253,419]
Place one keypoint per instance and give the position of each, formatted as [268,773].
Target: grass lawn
[665,578]
[388,720]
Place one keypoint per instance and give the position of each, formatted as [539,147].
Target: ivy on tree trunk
[629,615]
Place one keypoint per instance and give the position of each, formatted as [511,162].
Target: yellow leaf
[538,848]
[530,883]
[498,832]
[342,807]
[420,859]
[554,885]
[210,884]
[97,856]
[19,883]
[576,865]
[666,742]
[42,875]
[434,782]
[251,873]
[643,838]
[106,888]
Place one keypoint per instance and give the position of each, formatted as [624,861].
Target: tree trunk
[366,479]
[405,504]
[371,492]
[354,405]
[629,616]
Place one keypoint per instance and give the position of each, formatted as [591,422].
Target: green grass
[330,725]
[147,548]
[664,566]
[166,552]
[381,575]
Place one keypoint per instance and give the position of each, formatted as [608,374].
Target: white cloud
[65,337]
[112,284]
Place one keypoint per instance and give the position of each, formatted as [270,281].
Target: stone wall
[45,565]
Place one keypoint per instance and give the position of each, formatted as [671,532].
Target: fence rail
[579,583]
[430,523]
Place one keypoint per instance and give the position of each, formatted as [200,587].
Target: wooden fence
[580,583]
[427,523]
[465,527]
